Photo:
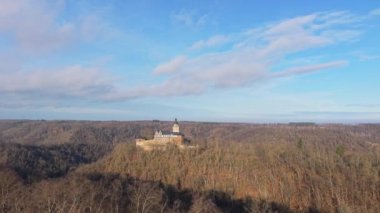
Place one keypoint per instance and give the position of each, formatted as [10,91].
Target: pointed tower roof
[175,121]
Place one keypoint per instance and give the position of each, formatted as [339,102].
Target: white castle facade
[162,139]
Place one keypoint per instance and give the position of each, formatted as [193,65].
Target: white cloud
[254,54]
[211,42]
[33,26]
[189,18]
[309,69]
[251,60]
[74,81]
[171,66]
[375,12]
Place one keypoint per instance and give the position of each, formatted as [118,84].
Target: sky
[225,61]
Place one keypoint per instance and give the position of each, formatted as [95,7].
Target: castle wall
[169,139]
[159,142]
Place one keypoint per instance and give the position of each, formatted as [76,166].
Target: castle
[164,138]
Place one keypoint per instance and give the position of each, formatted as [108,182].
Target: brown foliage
[240,168]
[313,176]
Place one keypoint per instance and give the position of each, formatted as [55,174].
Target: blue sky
[240,61]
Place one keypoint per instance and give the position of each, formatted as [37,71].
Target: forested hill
[34,163]
[82,166]
[60,132]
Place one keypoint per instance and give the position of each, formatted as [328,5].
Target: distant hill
[61,132]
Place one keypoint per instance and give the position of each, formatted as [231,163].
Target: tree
[340,149]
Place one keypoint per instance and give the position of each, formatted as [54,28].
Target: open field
[62,166]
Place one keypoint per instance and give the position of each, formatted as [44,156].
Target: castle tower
[176,126]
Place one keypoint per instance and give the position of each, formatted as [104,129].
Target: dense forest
[83,166]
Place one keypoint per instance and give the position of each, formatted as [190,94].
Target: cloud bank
[74,81]
[34,29]
[246,58]
[34,26]
[249,57]
[170,66]
[211,42]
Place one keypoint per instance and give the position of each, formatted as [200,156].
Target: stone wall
[159,142]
